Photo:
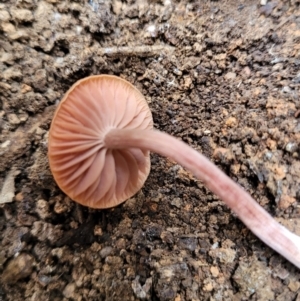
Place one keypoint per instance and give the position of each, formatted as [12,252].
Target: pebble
[22,15]
[208,285]
[4,16]
[5,144]
[69,290]
[263,2]
[40,80]
[177,202]
[141,292]
[253,276]
[224,255]
[12,73]
[7,58]
[231,122]
[105,252]
[188,243]
[8,28]
[25,88]
[23,117]
[230,76]
[117,6]
[98,230]
[18,268]
[13,119]
[214,271]
[294,286]
[19,197]
[286,201]
[45,231]
[42,208]
[291,147]
[167,237]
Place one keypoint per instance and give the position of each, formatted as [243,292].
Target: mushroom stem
[259,221]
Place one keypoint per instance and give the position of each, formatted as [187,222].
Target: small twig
[284,21]
[143,50]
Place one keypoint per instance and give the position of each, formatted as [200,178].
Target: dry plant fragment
[7,192]
[99,145]
[144,50]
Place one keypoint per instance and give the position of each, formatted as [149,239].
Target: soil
[223,76]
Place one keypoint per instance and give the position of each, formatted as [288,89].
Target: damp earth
[223,76]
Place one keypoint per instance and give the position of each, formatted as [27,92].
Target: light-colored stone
[42,208]
[13,119]
[4,16]
[214,271]
[8,28]
[23,15]
[69,290]
[230,76]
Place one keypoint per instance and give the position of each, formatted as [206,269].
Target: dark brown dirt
[221,75]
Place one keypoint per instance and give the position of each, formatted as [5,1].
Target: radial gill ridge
[82,166]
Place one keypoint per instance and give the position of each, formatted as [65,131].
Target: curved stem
[259,221]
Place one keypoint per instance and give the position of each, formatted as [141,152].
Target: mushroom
[83,166]
[99,144]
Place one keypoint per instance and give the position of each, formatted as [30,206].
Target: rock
[224,255]
[294,285]
[42,208]
[231,122]
[291,147]
[13,119]
[12,73]
[230,76]
[69,290]
[141,292]
[254,277]
[5,144]
[208,285]
[45,231]
[153,232]
[286,201]
[62,206]
[117,6]
[167,237]
[188,243]
[105,252]
[8,28]
[267,8]
[98,230]
[19,197]
[18,268]
[40,80]
[223,155]
[4,16]
[177,202]
[214,271]
[25,88]
[22,15]
[21,33]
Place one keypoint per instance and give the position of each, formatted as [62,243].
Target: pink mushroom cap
[83,167]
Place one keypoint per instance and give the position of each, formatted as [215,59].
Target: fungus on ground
[99,144]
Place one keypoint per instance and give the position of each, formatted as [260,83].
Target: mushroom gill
[83,167]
